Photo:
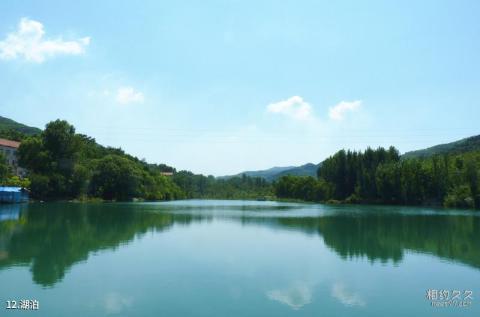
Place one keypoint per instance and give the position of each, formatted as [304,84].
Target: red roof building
[9,143]
[9,150]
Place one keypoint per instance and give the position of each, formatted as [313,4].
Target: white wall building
[9,150]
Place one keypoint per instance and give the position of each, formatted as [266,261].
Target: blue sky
[218,87]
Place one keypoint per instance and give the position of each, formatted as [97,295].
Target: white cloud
[294,107]
[126,95]
[296,296]
[346,297]
[338,111]
[28,42]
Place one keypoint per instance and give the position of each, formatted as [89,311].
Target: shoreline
[267,199]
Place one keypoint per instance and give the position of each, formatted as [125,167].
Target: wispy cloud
[294,107]
[296,296]
[28,42]
[127,95]
[338,111]
[346,297]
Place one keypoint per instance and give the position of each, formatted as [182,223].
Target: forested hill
[65,165]
[8,127]
[457,147]
[308,169]
[275,173]
[267,174]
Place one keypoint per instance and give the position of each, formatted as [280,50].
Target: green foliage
[12,134]
[240,187]
[16,181]
[460,197]
[3,167]
[274,173]
[61,142]
[65,165]
[355,172]
[13,130]
[40,186]
[6,177]
[380,176]
[308,169]
[116,177]
[302,187]
[33,155]
[462,146]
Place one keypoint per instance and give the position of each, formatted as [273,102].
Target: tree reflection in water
[51,238]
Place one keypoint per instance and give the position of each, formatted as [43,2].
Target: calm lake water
[236,258]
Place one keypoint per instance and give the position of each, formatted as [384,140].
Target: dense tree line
[8,178]
[12,134]
[62,164]
[382,176]
[65,165]
[244,187]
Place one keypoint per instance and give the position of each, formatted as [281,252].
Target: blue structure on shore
[9,212]
[13,194]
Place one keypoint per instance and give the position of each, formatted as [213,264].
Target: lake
[238,258]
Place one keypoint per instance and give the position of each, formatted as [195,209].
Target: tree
[62,144]
[33,155]
[116,177]
[52,157]
[3,167]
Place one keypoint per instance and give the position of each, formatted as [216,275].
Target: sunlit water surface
[236,258]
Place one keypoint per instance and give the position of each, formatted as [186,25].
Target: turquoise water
[236,258]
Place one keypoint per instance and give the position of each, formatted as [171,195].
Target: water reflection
[115,303]
[385,237]
[296,296]
[346,296]
[51,238]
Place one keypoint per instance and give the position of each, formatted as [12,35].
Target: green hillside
[267,174]
[457,147]
[308,169]
[12,129]
[64,165]
[275,173]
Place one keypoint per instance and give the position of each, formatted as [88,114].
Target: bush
[39,186]
[460,197]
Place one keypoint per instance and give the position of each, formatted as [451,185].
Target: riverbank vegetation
[383,176]
[8,178]
[65,165]
[241,187]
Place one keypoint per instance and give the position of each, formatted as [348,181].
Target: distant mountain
[308,169]
[461,146]
[8,124]
[275,173]
[267,174]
